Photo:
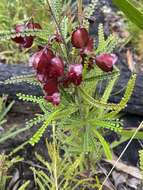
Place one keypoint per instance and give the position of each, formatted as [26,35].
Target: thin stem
[58,27]
[79,103]
[83,116]
[79,5]
[55,158]
[136,131]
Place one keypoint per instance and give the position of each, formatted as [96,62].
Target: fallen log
[135,105]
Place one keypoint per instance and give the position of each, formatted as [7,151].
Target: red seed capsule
[56,68]
[106,61]
[80,38]
[41,60]
[27,41]
[32,25]
[51,86]
[19,28]
[74,74]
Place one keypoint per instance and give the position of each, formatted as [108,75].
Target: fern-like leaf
[7,35]
[36,120]
[113,125]
[88,12]
[31,98]
[37,136]
[96,103]
[105,145]
[125,99]
[30,79]
[106,45]
[64,27]
[25,185]
[56,6]
[103,76]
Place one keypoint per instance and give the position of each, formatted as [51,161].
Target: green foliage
[88,12]
[96,103]
[103,76]
[125,99]
[6,35]
[30,98]
[5,165]
[11,133]
[64,27]
[130,11]
[36,137]
[25,185]
[136,33]
[85,115]
[56,6]
[62,172]
[36,120]
[3,109]
[106,45]
[90,123]
[23,78]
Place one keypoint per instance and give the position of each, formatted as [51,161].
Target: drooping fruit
[106,61]
[56,68]
[42,78]
[51,86]
[41,60]
[88,48]
[26,41]
[74,75]
[80,38]
[19,28]
[54,98]
[32,25]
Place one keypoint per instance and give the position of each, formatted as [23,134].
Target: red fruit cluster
[50,72]
[80,39]
[27,41]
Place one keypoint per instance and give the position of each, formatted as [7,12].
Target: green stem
[85,126]
[58,27]
[55,157]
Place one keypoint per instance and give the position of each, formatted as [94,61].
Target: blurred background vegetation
[14,12]
[136,32]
